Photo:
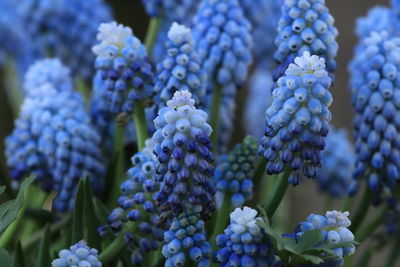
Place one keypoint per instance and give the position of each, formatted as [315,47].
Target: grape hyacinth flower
[334,176]
[297,120]
[235,170]
[334,227]
[243,242]
[64,28]
[223,42]
[121,60]
[183,149]
[378,19]
[77,255]
[305,25]
[180,70]
[376,100]
[136,206]
[186,238]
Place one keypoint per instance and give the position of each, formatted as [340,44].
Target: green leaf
[101,211]
[309,240]
[90,220]
[19,260]
[5,258]
[9,210]
[305,258]
[2,189]
[78,215]
[43,258]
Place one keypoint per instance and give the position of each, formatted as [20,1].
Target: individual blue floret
[243,242]
[297,120]
[186,241]
[334,227]
[338,158]
[180,70]
[305,25]
[66,29]
[376,100]
[234,172]
[224,44]
[183,149]
[137,215]
[123,65]
[77,255]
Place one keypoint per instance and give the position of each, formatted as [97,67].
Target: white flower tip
[179,33]
[244,219]
[181,98]
[339,218]
[307,64]
[111,33]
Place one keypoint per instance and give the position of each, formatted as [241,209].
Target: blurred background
[305,198]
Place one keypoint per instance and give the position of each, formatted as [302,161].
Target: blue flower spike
[234,172]
[183,149]
[77,255]
[297,120]
[243,242]
[122,62]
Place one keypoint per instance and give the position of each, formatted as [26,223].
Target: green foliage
[43,258]
[19,260]
[9,210]
[5,257]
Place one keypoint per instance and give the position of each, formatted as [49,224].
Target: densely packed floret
[77,255]
[376,100]
[305,25]
[183,149]
[64,28]
[243,242]
[338,158]
[186,239]
[297,120]
[137,216]
[122,63]
[334,228]
[223,41]
[234,172]
[180,70]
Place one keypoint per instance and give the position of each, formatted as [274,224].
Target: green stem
[216,101]
[278,193]
[151,34]
[12,86]
[362,210]
[139,117]
[259,171]
[346,205]
[328,203]
[82,87]
[393,254]
[365,258]
[221,221]
[364,232]
[112,250]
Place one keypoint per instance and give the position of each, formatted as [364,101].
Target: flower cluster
[186,237]
[334,176]
[53,137]
[378,19]
[77,255]
[122,63]
[180,70]
[224,43]
[297,120]
[234,172]
[183,149]
[334,227]
[170,9]
[376,100]
[136,207]
[306,25]
[243,242]
[65,28]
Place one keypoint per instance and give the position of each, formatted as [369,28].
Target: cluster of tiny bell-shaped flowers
[243,242]
[375,89]
[186,238]
[136,205]
[54,138]
[223,42]
[334,228]
[338,157]
[175,10]
[297,120]
[180,70]
[305,25]
[77,255]
[64,28]
[183,149]
[121,60]
[234,172]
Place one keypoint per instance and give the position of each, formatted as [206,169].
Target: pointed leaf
[101,211]
[19,260]
[309,240]
[90,220]
[77,219]
[43,258]
[5,258]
